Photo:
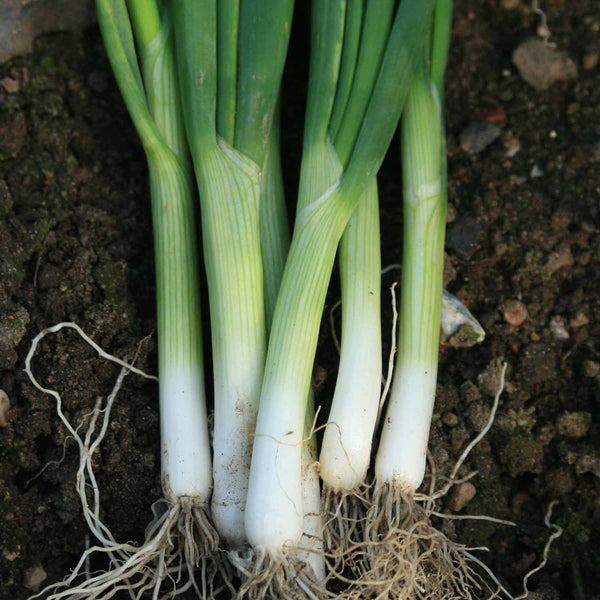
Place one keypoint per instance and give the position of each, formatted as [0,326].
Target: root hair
[284,577]
[404,556]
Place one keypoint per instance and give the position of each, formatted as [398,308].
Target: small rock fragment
[512,144]
[463,236]
[561,257]
[4,408]
[536,172]
[559,328]
[450,419]
[579,320]
[460,495]
[478,135]
[514,312]
[10,85]
[590,60]
[541,65]
[34,578]
[591,368]
[574,425]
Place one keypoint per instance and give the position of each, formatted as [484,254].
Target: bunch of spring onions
[201,80]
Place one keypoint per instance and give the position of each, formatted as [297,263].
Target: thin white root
[286,577]
[178,540]
[344,515]
[557,533]
[405,557]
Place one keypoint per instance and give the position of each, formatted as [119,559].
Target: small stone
[541,65]
[579,320]
[4,408]
[34,578]
[562,257]
[512,144]
[10,556]
[511,4]
[514,312]
[463,237]
[478,135]
[591,368]
[559,328]
[12,136]
[574,425]
[10,85]
[590,60]
[450,419]
[536,172]
[461,495]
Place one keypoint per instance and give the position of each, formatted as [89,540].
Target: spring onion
[230,60]
[407,556]
[274,514]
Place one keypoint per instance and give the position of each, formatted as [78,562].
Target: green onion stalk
[346,449]
[230,57]
[406,555]
[182,535]
[329,195]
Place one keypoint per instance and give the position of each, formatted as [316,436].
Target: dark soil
[523,248]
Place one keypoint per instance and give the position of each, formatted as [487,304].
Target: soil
[522,254]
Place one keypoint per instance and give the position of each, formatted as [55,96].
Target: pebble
[478,135]
[4,408]
[541,65]
[591,368]
[450,419]
[34,578]
[536,172]
[10,85]
[561,257]
[512,144]
[579,320]
[464,235]
[514,312]
[591,60]
[461,495]
[559,328]
[574,425]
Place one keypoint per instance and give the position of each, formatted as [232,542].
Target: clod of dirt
[560,482]
[12,329]
[514,312]
[489,379]
[579,320]
[574,425]
[461,495]
[34,578]
[13,132]
[478,135]
[541,65]
[511,4]
[538,364]
[523,455]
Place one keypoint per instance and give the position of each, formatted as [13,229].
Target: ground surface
[75,244]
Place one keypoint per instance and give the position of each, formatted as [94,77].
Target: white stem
[185,444]
[346,448]
[402,450]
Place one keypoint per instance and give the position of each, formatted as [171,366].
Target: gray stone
[478,135]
